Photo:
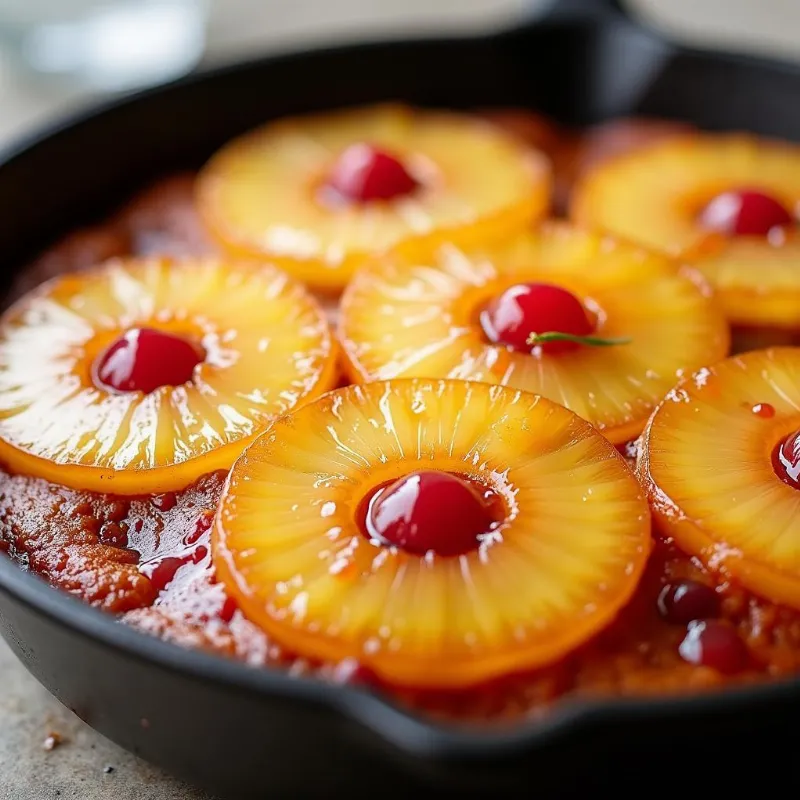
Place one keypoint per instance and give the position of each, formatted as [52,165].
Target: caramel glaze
[148,561]
[101,549]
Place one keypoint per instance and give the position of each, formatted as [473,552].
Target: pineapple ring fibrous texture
[567,554]
[266,348]
[656,196]
[265,194]
[708,461]
[415,318]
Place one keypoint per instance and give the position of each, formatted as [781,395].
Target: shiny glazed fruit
[710,643]
[144,359]
[745,213]
[363,174]
[528,308]
[719,497]
[439,177]
[688,600]
[289,547]
[405,317]
[429,511]
[267,347]
[787,460]
[658,196]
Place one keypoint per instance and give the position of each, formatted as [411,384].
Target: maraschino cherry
[786,460]
[745,212]
[535,308]
[363,173]
[429,511]
[687,600]
[143,359]
[711,643]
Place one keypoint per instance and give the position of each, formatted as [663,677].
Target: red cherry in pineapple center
[528,308]
[363,173]
[142,359]
[786,460]
[429,511]
[745,212]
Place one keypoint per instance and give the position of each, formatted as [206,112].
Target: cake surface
[149,557]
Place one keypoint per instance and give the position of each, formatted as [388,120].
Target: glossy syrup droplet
[199,554]
[114,533]
[166,501]
[764,410]
[162,571]
[227,610]
[201,527]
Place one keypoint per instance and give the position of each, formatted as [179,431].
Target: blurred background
[56,55]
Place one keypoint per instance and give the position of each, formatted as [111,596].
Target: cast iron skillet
[257,733]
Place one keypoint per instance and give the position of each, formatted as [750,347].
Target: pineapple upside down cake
[345,403]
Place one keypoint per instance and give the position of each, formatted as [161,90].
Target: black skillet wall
[572,67]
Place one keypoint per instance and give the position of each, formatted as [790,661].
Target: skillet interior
[224,726]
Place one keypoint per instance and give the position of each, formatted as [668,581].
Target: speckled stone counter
[47,752]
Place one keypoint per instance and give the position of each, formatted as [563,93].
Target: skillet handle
[582,9]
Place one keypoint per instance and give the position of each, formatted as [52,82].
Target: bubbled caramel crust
[94,547]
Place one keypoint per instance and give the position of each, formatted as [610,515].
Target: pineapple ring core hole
[145,359]
[510,315]
[786,459]
[741,211]
[433,511]
[363,173]
[208,343]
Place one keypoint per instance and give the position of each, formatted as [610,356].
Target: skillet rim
[69,121]
[405,729]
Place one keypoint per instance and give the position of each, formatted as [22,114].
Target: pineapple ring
[653,196]
[259,195]
[288,545]
[409,319]
[267,347]
[706,461]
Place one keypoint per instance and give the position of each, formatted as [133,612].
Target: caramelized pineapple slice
[719,463]
[407,317]
[142,375]
[449,589]
[320,194]
[726,202]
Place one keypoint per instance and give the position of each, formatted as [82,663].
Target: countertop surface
[84,765]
